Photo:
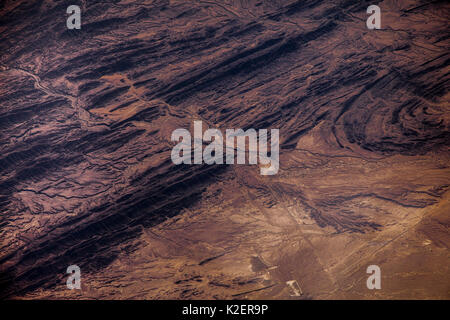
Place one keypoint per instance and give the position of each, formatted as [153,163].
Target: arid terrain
[86,176]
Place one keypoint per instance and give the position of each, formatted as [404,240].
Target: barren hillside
[86,177]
